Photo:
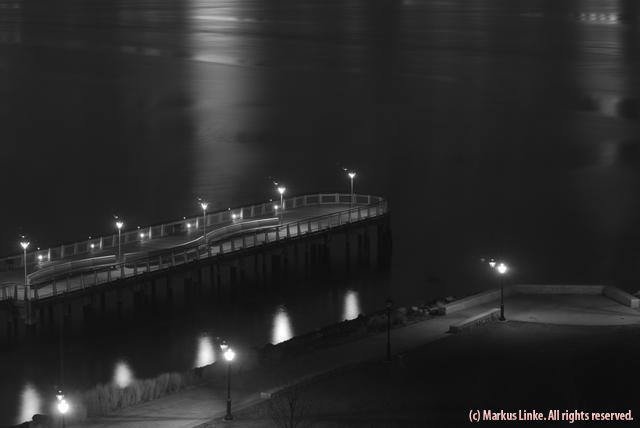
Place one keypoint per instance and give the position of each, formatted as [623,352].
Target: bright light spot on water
[30,403]
[206,353]
[281,330]
[122,375]
[351,305]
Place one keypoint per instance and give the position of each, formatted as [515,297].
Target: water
[494,127]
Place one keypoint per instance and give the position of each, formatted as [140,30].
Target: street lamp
[281,190]
[275,208]
[119,225]
[502,270]
[229,355]
[25,244]
[63,406]
[351,175]
[492,263]
[204,206]
[389,305]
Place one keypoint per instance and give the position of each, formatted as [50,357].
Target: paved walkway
[193,407]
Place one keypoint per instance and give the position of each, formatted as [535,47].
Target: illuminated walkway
[195,406]
[81,265]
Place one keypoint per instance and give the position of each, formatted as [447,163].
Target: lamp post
[351,175]
[63,406]
[119,225]
[502,270]
[204,206]
[229,355]
[25,244]
[281,190]
[389,305]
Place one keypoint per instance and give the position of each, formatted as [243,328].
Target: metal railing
[80,274]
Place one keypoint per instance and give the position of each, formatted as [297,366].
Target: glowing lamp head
[93,245]
[119,224]
[352,175]
[63,406]
[234,216]
[492,263]
[204,205]
[502,268]
[24,244]
[275,207]
[142,235]
[229,355]
[282,189]
[40,257]
[188,225]
[224,346]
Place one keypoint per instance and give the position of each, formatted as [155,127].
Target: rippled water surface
[494,127]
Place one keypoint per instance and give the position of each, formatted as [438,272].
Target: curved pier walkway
[84,264]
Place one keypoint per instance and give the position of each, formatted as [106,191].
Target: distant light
[275,207]
[206,354]
[93,245]
[229,355]
[142,235]
[204,205]
[40,257]
[138,227]
[188,224]
[63,406]
[502,268]
[492,263]
[282,189]
[352,175]
[119,224]
[24,244]
[281,329]
[122,375]
[233,216]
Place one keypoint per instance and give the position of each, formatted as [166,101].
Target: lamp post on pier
[281,190]
[351,175]
[204,206]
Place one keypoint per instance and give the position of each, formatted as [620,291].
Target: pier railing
[90,271]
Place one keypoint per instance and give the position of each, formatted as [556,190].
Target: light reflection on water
[351,305]
[281,330]
[31,403]
[206,352]
[122,374]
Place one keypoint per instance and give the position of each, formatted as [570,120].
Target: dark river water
[494,127]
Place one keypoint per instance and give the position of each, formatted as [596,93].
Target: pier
[211,255]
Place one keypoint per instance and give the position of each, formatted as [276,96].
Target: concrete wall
[622,297]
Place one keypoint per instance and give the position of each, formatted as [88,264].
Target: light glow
[63,406]
[352,175]
[93,245]
[229,355]
[282,189]
[119,224]
[122,374]
[492,263]
[502,268]
[351,305]
[40,257]
[204,205]
[281,329]
[206,353]
[24,244]
[31,403]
